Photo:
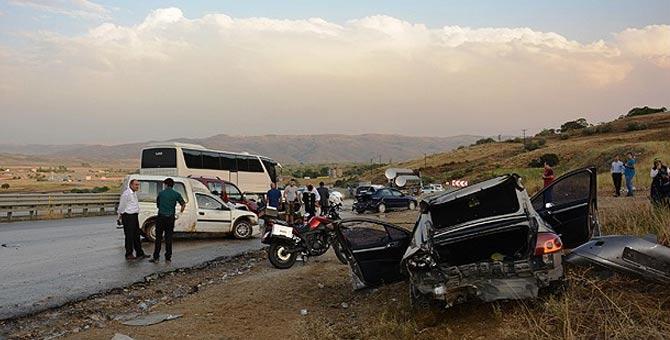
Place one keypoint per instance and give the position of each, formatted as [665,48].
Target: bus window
[228,162]
[210,160]
[193,159]
[159,158]
[272,171]
[242,164]
[255,165]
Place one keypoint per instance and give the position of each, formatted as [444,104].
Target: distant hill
[284,148]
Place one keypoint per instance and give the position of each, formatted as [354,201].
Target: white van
[204,212]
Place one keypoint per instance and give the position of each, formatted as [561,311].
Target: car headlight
[421,262]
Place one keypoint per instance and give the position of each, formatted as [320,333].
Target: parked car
[383,199]
[228,192]
[367,188]
[432,188]
[490,241]
[204,212]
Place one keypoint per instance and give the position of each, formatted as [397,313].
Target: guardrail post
[85,210]
[31,212]
[69,210]
[9,214]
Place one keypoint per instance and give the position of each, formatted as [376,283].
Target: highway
[44,264]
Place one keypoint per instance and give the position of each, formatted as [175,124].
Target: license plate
[279,230]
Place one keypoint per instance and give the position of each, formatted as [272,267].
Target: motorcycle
[308,239]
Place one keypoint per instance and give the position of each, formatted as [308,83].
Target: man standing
[291,196]
[548,177]
[324,195]
[629,173]
[617,173]
[128,210]
[166,201]
[274,196]
[310,198]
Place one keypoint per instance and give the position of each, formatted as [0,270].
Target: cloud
[218,73]
[72,8]
[650,42]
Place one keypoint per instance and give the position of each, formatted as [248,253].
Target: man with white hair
[128,211]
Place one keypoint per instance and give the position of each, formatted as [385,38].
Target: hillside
[576,149]
[284,148]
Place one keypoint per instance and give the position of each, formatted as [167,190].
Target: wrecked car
[491,241]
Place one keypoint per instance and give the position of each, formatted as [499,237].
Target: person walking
[274,196]
[324,195]
[166,201]
[617,171]
[660,183]
[310,198]
[290,197]
[128,211]
[629,173]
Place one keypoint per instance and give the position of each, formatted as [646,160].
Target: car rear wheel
[381,208]
[412,205]
[150,231]
[242,229]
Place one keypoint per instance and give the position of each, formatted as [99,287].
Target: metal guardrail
[35,206]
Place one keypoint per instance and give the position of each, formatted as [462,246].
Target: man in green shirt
[166,201]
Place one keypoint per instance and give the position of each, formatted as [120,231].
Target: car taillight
[547,243]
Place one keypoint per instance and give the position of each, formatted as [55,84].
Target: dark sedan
[382,200]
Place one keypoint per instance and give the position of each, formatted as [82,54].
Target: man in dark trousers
[324,195]
[166,201]
[128,211]
[310,198]
[617,171]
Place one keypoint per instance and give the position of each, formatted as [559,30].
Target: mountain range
[288,149]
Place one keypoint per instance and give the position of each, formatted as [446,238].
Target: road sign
[458,183]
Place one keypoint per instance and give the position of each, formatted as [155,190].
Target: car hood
[626,254]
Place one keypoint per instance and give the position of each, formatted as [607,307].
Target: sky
[108,72]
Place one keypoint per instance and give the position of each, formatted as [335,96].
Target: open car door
[373,249]
[569,205]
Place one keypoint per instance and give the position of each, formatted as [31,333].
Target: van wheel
[381,208]
[242,229]
[150,231]
[412,205]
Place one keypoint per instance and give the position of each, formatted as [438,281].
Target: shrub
[460,147]
[635,126]
[4,186]
[485,141]
[563,136]
[588,131]
[574,125]
[547,133]
[551,159]
[641,111]
[604,128]
[100,189]
[535,144]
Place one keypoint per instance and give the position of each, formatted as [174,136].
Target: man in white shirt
[128,211]
[617,173]
[290,197]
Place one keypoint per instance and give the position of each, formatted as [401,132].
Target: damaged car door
[374,249]
[569,205]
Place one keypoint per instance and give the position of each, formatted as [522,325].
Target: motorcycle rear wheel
[279,257]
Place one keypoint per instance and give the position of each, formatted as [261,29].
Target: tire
[381,208]
[360,211]
[411,205]
[279,258]
[242,229]
[150,230]
[337,247]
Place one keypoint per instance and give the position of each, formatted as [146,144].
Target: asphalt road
[44,264]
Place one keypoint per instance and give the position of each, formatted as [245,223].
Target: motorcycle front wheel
[280,257]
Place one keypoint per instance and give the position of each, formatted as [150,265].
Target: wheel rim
[242,229]
[282,254]
[412,206]
[152,232]
[382,208]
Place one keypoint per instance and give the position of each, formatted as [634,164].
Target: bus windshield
[159,158]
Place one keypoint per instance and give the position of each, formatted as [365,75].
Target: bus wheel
[242,229]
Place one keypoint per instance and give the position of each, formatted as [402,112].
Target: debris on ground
[152,319]
[119,336]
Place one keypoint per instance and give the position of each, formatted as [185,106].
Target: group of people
[128,212]
[660,178]
[312,198]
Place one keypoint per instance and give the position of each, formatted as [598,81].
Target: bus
[251,173]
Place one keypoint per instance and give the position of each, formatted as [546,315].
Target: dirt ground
[246,298]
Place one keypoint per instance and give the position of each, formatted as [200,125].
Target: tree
[4,186]
[640,111]
[574,125]
[485,141]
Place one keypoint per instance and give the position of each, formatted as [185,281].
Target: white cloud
[650,42]
[72,8]
[218,73]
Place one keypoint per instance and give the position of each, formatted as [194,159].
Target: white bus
[251,173]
